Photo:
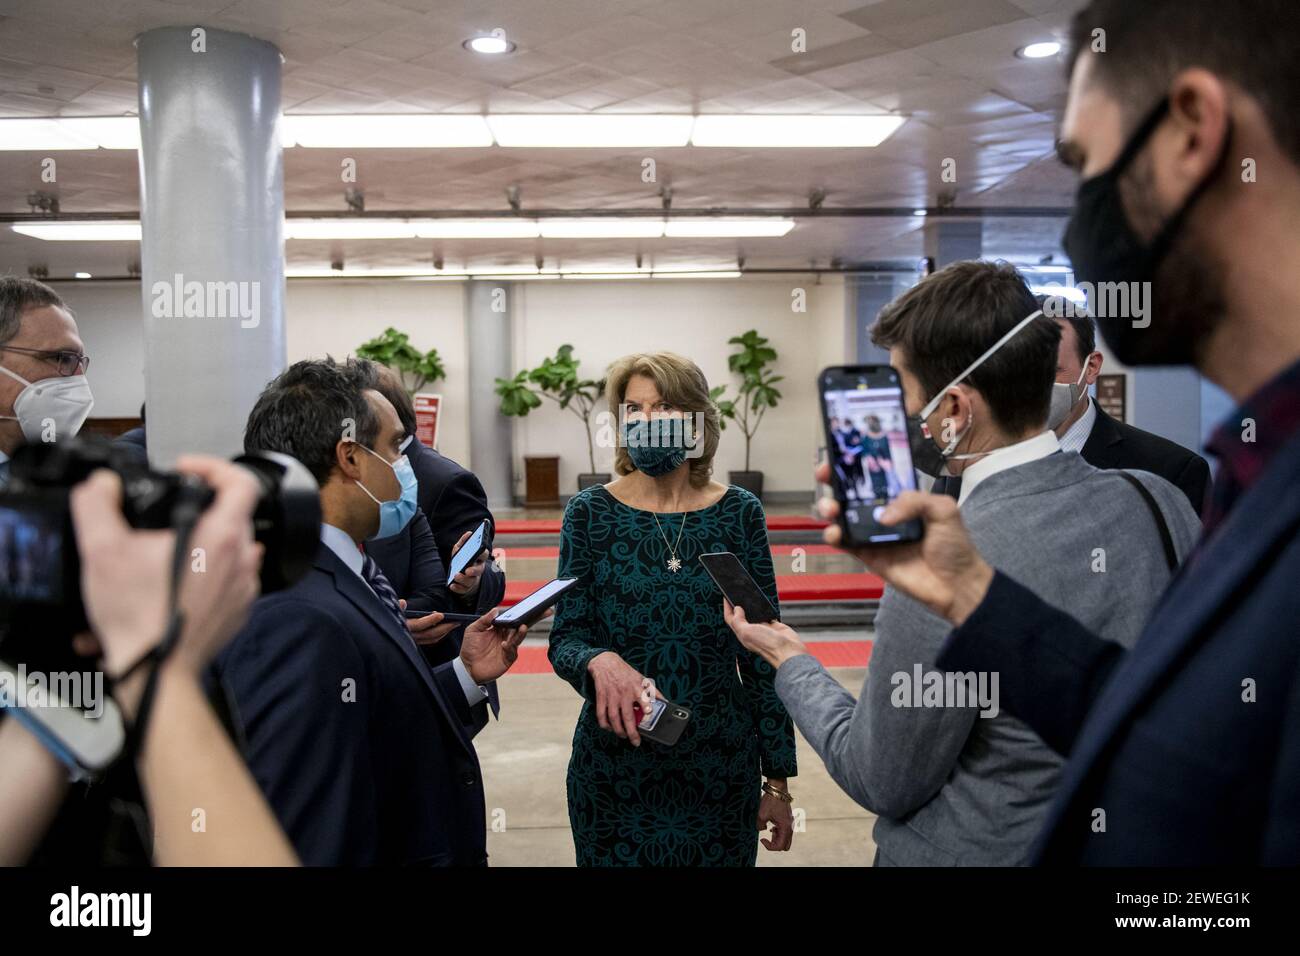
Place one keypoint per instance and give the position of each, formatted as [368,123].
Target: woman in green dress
[646,608]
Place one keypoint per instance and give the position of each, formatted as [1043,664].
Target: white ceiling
[948,64]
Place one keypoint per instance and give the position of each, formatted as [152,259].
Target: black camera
[40,573]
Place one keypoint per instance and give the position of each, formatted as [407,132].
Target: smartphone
[664,724]
[866,441]
[470,550]
[531,608]
[738,587]
[446,615]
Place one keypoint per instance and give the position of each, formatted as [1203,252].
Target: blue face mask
[395,515]
[656,445]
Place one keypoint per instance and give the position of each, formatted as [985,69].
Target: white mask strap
[934,402]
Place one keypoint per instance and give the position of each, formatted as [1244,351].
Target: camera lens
[287,519]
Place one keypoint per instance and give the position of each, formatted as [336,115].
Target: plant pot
[588,478]
[751,481]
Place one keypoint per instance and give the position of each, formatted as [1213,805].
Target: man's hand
[466,583]
[126,574]
[775,642]
[943,570]
[486,651]
[430,629]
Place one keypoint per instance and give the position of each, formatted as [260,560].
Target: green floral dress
[695,803]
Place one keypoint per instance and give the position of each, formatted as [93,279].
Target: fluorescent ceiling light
[722,274]
[758,130]
[726,228]
[1061,291]
[348,229]
[81,132]
[477,229]
[602,228]
[586,130]
[80,231]
[353,131]
[1039,51]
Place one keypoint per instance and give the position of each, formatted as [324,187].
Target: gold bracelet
[783,795]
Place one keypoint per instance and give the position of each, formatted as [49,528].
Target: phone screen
[468,552]
[866,442]
[539,599]
[737,586]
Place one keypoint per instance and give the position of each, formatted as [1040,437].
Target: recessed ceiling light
[590,130]
[1039,51]
[81,275]
[767,130]
[491,44]
[920,212]
[121,231]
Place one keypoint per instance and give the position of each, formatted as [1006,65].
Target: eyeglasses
[68,363]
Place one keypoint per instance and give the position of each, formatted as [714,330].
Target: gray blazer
[952,787]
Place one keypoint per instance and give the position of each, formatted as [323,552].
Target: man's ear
[1094,368]
[345,457]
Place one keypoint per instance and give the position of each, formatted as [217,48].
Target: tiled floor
[525,756]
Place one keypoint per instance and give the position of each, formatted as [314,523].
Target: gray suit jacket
[952,787]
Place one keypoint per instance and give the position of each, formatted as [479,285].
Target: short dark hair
[305,411]
[1148,42]
[388,383]
[951,318]
[17,295]
[1085,334]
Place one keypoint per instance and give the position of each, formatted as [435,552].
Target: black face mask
[1104,249]
[926,457]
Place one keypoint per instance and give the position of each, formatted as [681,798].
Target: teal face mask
[656,445]
[395,515]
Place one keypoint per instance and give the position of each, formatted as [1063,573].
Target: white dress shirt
[338,541]
[1076,436]
[1021,453]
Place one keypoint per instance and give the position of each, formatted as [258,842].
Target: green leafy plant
[394,349]
[557,379]
[756,393]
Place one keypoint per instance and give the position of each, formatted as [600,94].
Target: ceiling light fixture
[772,131]
[1039,51]
[385,131]
[490,44]
[591,130]
[80,231]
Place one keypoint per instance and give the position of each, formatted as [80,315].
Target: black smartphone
[530,609]
[665,722]
[738,587]
[866,442]
[446,615]
[470,550]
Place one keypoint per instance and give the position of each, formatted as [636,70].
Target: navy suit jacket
[1113,444]
[410,561]
[362,748]
[454,501]
[1187,748]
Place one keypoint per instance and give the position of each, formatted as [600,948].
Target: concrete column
[212,257]
[489,308]
[953,240]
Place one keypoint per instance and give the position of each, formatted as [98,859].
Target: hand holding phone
[469,550]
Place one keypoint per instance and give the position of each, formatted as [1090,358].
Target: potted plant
[394,349]
[557,379]
[755,395]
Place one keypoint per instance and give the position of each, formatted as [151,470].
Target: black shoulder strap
[1166,539]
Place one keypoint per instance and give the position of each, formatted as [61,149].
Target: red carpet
[532,660]
[552,525]
[789,587]
[780,550]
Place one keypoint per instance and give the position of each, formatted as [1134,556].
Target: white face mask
[51,409]
[932,404]
[1065,395]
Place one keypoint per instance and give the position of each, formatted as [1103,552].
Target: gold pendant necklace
[674,562]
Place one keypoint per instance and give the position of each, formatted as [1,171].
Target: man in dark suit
[1098,438]
[1106,443]
[362,748]
[1186,748]
[453,502]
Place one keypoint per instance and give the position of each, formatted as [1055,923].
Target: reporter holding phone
[645,608]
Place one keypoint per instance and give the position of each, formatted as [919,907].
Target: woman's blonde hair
[682,385]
